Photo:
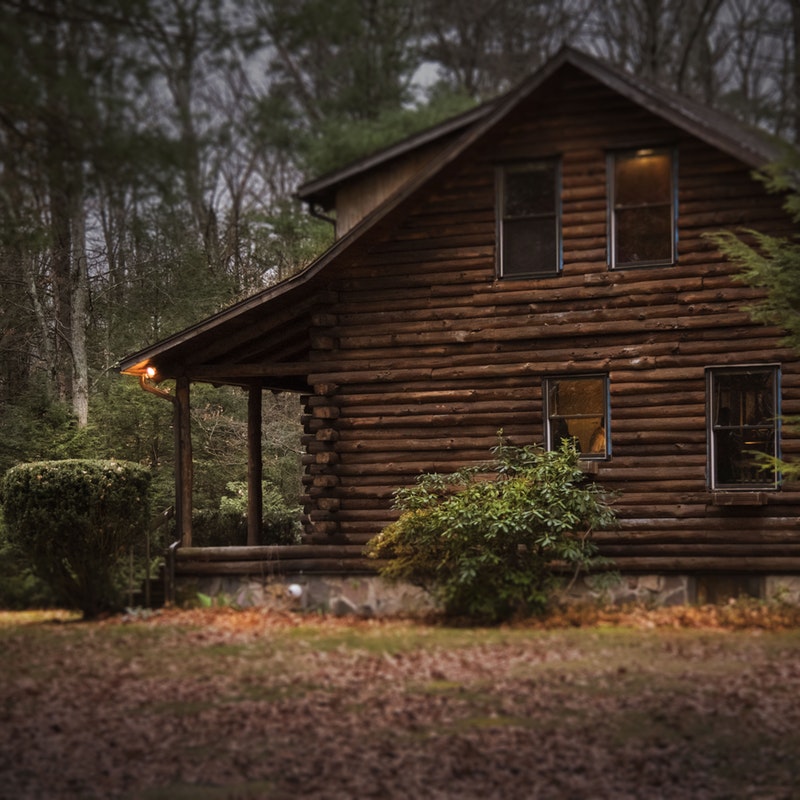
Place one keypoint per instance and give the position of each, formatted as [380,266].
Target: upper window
[642,208]
[577,408]
[743,426]
[530,219]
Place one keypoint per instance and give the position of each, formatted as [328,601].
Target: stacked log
[426,355]
[273,560]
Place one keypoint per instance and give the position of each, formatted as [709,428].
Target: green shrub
[74,520]
[215,528]
[19,587]
[227,525]
[486,540]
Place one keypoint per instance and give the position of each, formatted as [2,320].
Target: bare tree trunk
[78,317]
[697,32]
[795,6]
[47,350]
[61,252]
[651,55]
[178,41]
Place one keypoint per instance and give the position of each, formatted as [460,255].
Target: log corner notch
[321,462]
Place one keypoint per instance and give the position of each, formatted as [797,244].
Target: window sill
[528,276]
[641,265]
[723,498]
[589,467]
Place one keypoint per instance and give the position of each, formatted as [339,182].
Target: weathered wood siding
[356,198]
[427,354]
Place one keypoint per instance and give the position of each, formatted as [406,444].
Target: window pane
[737,458]
[530,246]
[530,191]
[642,208]
[746,398]
[577,410]
[643,235]
[642,179]
[530,243]
[744,419]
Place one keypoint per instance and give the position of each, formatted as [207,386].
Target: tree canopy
[149,152]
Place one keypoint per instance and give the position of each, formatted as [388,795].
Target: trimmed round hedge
[74,520]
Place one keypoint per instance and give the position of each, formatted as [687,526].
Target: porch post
[183,462]
[255,466]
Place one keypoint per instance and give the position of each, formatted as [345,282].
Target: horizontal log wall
[275,560]
[350,560]
[429,354]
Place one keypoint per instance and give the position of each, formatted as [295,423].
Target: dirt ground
[211,704]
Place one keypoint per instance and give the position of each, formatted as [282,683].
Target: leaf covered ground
[216,703]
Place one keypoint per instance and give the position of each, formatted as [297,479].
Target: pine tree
[772,264]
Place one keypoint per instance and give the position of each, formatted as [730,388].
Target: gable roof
[751,146]
[266,312]
[322,190]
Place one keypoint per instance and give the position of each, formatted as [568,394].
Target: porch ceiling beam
[242,334]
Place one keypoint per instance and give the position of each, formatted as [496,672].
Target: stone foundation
[785,588]
[371,595]
[648,590]
[363,595]
[671,590]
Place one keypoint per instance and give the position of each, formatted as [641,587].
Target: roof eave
[137,363]
[755,149]
[320,190]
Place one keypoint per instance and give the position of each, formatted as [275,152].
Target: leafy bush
[19,587]
[227,526]
[215,528]
[74,520]
[280,522]
[486,540]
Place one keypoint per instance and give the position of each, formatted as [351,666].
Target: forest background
[149,151]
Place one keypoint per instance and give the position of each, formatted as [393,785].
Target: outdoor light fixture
[145,381]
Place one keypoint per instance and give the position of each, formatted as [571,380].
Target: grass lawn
[215,703]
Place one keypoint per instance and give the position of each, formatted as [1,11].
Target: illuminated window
[642,224]
[743,426]
[577,408]
[530,220]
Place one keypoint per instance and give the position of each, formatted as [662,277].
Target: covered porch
[263,344]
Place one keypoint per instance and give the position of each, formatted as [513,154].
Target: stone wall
[364,595]
[369,595]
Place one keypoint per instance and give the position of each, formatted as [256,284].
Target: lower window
[576,407]
[743,427]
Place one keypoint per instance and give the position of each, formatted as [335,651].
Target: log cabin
[538,265]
